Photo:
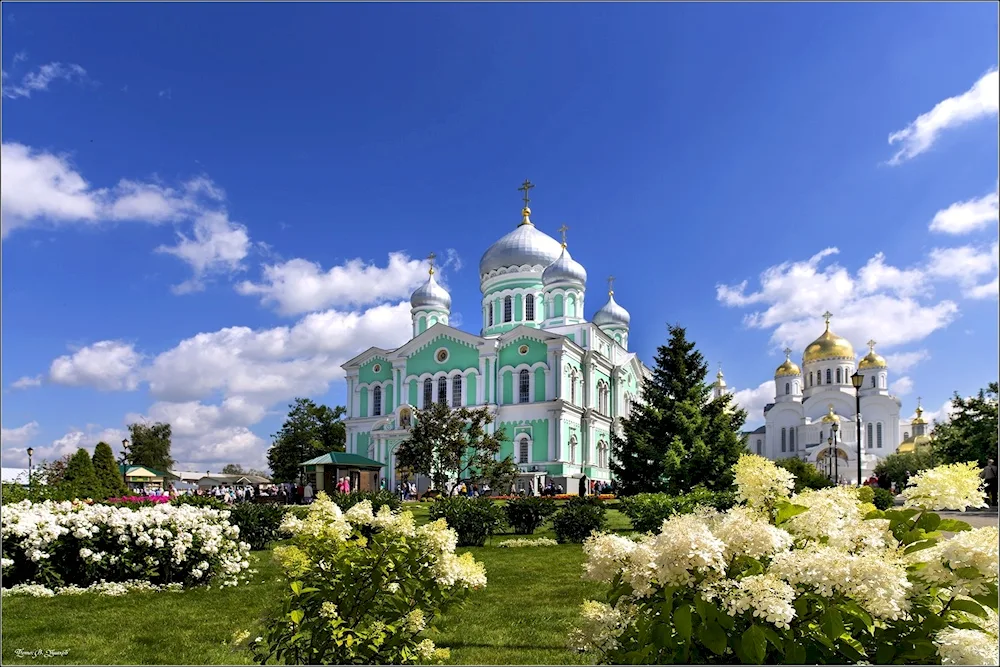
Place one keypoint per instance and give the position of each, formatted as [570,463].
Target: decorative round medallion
[523,350]
[441,355]
[377,368]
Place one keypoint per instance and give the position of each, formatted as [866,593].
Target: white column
[557,380]
[552,435]
[350,397]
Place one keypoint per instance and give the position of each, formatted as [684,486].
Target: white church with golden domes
[814,416]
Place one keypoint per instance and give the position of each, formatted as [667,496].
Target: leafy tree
[807,476]
[150,446]
[80,474]
[232,469]
[899,467]
[678,437]
[971,433]
[309,431]
[109,475]
[451,444]
[51,473]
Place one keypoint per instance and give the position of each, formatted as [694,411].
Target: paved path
[978,519]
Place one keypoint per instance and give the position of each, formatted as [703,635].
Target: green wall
[507,385]
[363,398]
[538,429]
[367,374]
[460,357]
[509,355]
[540,385]
[471,391]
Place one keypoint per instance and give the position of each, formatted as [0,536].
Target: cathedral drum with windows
[813,416]
[555,382]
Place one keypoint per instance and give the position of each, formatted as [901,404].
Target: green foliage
[150,446]
[970,434]
[258,524]
[899,467]
[474,519]
[807,476]
[378,499]
[237,469]
[199,501]
[883,498]
[451,444]
[309,431]
[38,492]
[647,511]
[526,514]
[109,475]
[866,494]
[578,518]
[678,435]
[81,476]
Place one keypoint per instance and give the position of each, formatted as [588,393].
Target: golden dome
[872,359]
[919,419]
[828,346]
[914,443]
[788,368]
[831,416]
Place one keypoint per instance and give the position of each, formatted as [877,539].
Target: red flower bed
[139,501]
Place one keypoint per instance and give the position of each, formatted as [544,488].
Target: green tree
[678,436]
[971,432]
[451,444]
[109,475]
[81,475]
[52,473]
[807,476]
[232,469]
[899,467]
[309,431]
[150,446]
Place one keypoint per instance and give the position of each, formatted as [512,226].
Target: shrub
[474,519]
[866,494]
[79,544]
[378,499]
[883,499]
[647,511]
[258,524]
[807,476]
[801,580]
[525,515]
[38,492]
[109,476]
[199,501]
[80,473]
[362,588]
[578,518]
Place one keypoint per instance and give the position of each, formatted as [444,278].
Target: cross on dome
[611,285]
[562,230]
[525,187]
[826,316]
[788,352]
[871,345]
[430,258]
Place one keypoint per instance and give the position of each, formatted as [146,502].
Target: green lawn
[521,617]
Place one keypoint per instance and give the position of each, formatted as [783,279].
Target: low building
[323,472]
[211,481]
[144,477]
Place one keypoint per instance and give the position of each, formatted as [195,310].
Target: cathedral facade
[556,383]
[814,416]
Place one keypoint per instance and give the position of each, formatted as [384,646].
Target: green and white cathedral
[556,383]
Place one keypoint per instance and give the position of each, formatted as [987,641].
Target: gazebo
[324,471]
[141,477]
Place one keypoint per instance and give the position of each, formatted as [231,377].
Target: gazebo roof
[137,471]
[344,460]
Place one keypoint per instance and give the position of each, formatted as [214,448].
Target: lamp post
[836,454]
[124,462]
[829,462]
[857,380]
[30,452]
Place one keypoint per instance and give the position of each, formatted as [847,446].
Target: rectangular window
[523,453]
[508,309]
[784,436]
[377,401]
[791,439]
[873,382]
[871,440]
[456,391]
[443,391]
[878,435]
[529,307]
[491,314]
[760,447]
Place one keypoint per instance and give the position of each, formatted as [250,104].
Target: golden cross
[787,351]
[611,284]
[826,316]
[563,231]
[871,345]
[527,185]
[430,258]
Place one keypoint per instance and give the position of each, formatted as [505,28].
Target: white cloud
[107,365]
[754,400]
[980,101]
[942,414]
[968,216]
[27,381]
[217,246]
[904,361]
[14,453]
[967,265]
[20,436]
[39,80]
[902,386]
[990,290]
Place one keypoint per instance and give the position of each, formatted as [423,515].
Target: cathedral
[556,382]
[814,414]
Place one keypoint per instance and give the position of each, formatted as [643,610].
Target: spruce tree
[81,477]
[108,473]
[677,438]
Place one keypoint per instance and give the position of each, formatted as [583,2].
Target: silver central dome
[564,270]
[523,246]
[431,295]
[612,314]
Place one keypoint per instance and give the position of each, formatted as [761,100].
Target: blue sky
[181,182]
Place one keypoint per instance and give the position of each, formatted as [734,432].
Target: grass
[523,615]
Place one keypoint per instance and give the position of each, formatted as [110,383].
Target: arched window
[572,449]
[523,448]
[508,309]
[906,435]
[529,307]
[881,381]
[376,401]
[784,439]
[791,439]
[810,378]
[572,387]
[760,446]
[428,392]
[523,386]
[873,382]
[788,389]
[828,376]
[795,386]
[443,390]
[456,391]
[491,314]
[878,435]
[871,437]
[838,376]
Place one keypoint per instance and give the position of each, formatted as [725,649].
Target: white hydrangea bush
[817,577]
[75,545]
[364,587]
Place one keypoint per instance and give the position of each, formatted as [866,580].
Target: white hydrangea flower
[415,621]
[684,549]
[328,610]
[607,554]
[601,625]
[521,542]
[759,483]
[956,486]
[769,597]
[360,514]
[958,646]
[972,548]
[744,533]
[425,649]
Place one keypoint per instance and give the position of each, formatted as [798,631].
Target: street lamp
[829,462]
[124,461]
[836,453]
[857,380]
[30,452]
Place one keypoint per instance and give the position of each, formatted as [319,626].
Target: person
[173,491]
[382,484]
[583,486]
[989,474]
[307,493]
[486,488]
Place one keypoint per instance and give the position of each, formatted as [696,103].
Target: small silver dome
[431,295]
[564,270]
[612,314]
[524,245]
